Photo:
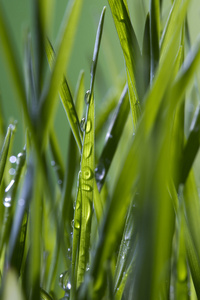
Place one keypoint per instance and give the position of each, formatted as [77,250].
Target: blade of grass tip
[9,198]
[163,74]
[67,101]
[131,51]
[154,36]
[5,149]
[96,52]
[112,138]
[66,39]
[57,162]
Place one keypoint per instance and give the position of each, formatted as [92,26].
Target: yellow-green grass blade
[79,95]
[14,293]
[87,188]
[66,39]
[5,149]
[170,25]
[131,51]
[67,100]
[154,36]
[44,295]
[112,138]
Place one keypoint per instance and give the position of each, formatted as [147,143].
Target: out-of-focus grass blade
[57,162]
[44,295]
[163,74]
[146,53]
[79,95]
[67,101]
[9,198]
[170,25]
[131,52]
[112,138]
[5,149]
[154,35]
[15,292]
[66,39]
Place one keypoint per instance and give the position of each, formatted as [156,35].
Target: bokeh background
[111,63]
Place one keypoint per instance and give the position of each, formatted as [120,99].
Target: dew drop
[82,124]
[87,150]
[88,126]
[64,281]
[87,173]
[100,172]
[53,163]
[12,171]
[87,97]
[9,186]
[108,136]
[86,187]
[72,223]
[13,159]
[77,224]
[92,68]
[7,201]
[60,181]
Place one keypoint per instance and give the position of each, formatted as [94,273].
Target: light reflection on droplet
[9,186]
[13,159]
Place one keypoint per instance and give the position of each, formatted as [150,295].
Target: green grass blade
[67,101]
[79,95]
[87,188]
[131,53]
[5,150]
[112,138]
[66,39]
[146,53]
[154,35]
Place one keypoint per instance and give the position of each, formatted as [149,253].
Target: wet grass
[122,224]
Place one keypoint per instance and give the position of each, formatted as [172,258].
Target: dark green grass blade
[146,55]
[5,149]
[66,39]
[57,162]
[67,101]
[44,295]
[154,35]
[112,138]
[131,53]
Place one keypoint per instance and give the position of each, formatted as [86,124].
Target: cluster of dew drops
[14,160]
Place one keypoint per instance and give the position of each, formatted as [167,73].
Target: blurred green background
[111,63]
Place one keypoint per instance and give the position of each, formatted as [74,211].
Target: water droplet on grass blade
[82,124]
[13,159]
[88,126]
[86,187]
[7,201]
[12,171]
[9,186]
[100,172]
[87,150]
[87,97]
[87,173]
[77,224]
[64,282]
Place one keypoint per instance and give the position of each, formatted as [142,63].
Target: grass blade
[131,51]
[66,39]
[112,138]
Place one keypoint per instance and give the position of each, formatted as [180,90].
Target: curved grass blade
[44,295]
[131,51]
[66,39]
[112,138]
[154,36]
[5,149]
[67,101]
